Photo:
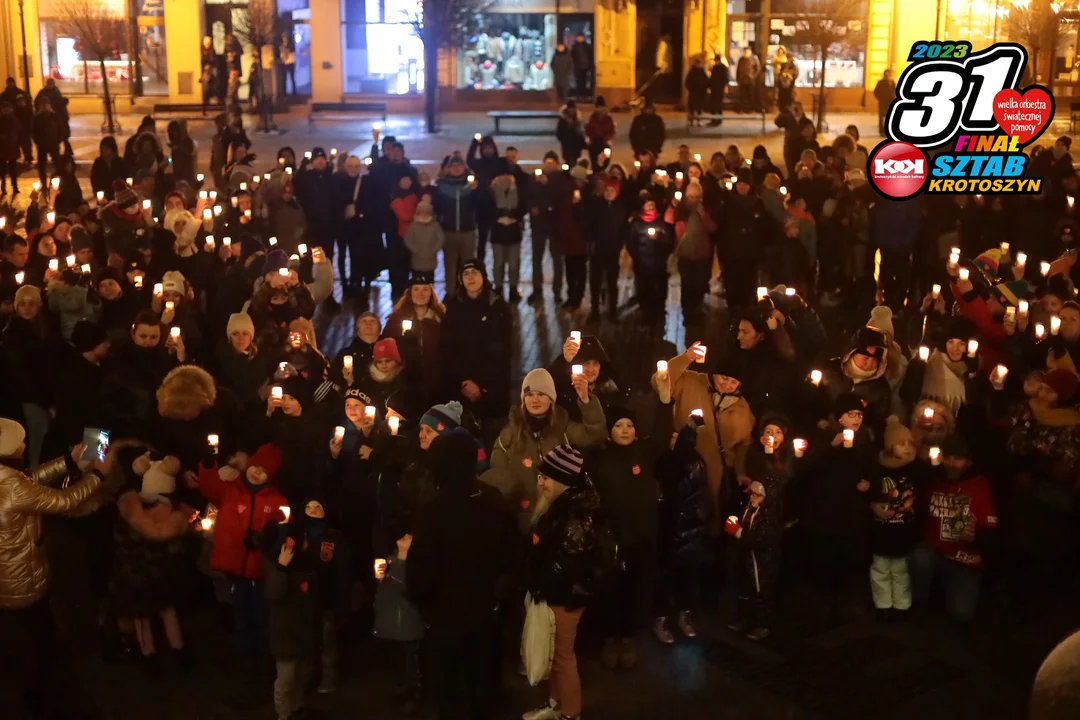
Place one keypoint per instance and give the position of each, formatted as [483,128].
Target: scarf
[1053,417]
[888,460]
[857,374]
[384,377]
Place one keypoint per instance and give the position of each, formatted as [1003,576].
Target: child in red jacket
[246,504]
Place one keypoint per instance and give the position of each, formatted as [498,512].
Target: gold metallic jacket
[24,497]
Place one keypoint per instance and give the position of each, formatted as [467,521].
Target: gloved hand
[731,526]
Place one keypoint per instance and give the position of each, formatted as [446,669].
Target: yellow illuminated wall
[184,30]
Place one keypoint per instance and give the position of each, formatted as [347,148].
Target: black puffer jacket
[683,505]
[571,551]
[475,345]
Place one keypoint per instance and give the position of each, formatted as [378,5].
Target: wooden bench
[730,110]
[185,110]
[499,115]
[345,110]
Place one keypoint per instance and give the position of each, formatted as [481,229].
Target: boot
[660,630]
[628,654]
[686,627]
[515,295]
[609,656]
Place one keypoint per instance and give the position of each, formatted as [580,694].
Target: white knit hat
[173,281]
[12,436]
[539,380]
[240,321]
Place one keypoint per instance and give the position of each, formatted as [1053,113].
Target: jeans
[540,241]
[890,583]
[463,675]
[484,220]
[575,278]
[397,261]
[289,685]
[507,257]
[459,247]
[565,681]
[37,427]
[249,615]
[52,153]
[758,568]
[694,275]
[9,168]
[406,665]
[961,582]
[651,281]
[604,270]
[740,284]
[329,654]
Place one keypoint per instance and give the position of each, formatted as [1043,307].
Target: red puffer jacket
[242,510]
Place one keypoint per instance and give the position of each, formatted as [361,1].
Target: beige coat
[24,497]
[724,439]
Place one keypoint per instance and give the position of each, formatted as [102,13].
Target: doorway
[659,62]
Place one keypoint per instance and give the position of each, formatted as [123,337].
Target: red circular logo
[898,169]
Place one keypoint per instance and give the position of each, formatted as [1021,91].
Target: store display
[512,51]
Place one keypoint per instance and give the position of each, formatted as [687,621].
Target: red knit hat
[386,349]
[268,457]
[1062,381]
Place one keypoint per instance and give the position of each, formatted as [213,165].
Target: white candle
[701,350]
[247,214]
[800,447]
[276,392]
[212,440]
[56,183]
[538,172]
[954,250]
[1044,268]
[406,326]
[206,524]
[1040,331]
[973,347]
[19,276]
[54,264]
[200,177]
[100,197]
[924,353]
[367,161]
[71,261]
[476,137]
[138,282]
[1005,248]
[175,332]
[283,272]
[380,567]
[954,258]
[272,241]
[575,335]
[697,157]
[158,288]
[472,178]
[1021,258]
[678,196]
[652,232]
[369,411]
[849,438]
[661,366]
[394,423]
[762,293]
[51,217]
[815,377]
[964,273]
[576,370]
[226,241]
[210,242]
[769,442]
[790,292]
[207,214]
[1055,325]
[217,210]
[234,201]
[213,194]
[170,305]
[286,511]
[1022,307]
[302,248]
[1071,200]
[607,152]
[1010,314]
[783,190]
[346,362]
[928,413]
[339,433]
[145,204]
[85,268]
[637,163]
[1000,373]
[36,185]
[698,412]
[294,258]
[333,151]
[266,176]
[936,290]
[935,456]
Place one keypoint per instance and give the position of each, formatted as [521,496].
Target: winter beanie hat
[87,335]
[275,260]
[443,418]
[881,317]
[26,293]
[896,432]
[123,196]
[173,282]
[847,402]
[540,381]
[238,322]
[386,349]
[1062,381]
[12,435]
[267,457]
[563,464]
[472,264]
[614,414]
[299,389]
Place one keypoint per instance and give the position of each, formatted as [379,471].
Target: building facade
[366,48]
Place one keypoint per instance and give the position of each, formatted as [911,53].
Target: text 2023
[939,50]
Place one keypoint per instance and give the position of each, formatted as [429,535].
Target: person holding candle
[606,215]
[14,258]
[280,299]
[188,409]
[398,623]
[359,350]
[238,364]
[572,547]
[599,133]
[599,372]
[862,371]
[386,373]
[896,483]
[295,427]
[420,345]
[455,203]
[483,159]
[119,303]
[248,502]
[960,529]
[122,219]
[43,250]
[623,472]
[649,244]
[108,167]
[536,426]
[424,239]
[759,531]
[183,312]
[506,234]
[693,227]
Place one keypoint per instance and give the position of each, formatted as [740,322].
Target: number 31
[936,97]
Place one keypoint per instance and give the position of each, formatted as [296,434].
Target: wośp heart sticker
[1024,115]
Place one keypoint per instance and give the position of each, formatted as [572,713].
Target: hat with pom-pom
[881,317]
[443,418]
[896,432]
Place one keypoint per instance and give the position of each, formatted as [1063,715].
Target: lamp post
[25,57]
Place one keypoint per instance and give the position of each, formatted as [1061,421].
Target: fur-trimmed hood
[186,392]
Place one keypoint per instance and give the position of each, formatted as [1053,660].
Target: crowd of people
[411,474]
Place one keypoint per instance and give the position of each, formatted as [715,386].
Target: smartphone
[96,442]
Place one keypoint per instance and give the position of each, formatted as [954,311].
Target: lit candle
[954,250]
[762,293]
[575,335]
[339,433]
[652,232]
[200,177]
[266,176]
[380,568]
[1070,200]
[243,186]
[1044,268]
[1055,325]
[138,282]
[286,511]
[54,264]
[637,164]
[307,155]
[367,161]
[175,333]
[815,377]
[769,442]
[783,190]
[924,353]
[1022,307]
[661,366]
[234,201]
[472,178]
[954,258]
[207,214]
[697,157]
[203,195]
[346,362]
[272,241]
[206,523]
[56,183]
[333,152]
[790,292]
[476,137]
[576,370]
[394,423]
[217,210]
[800,447]
[158,288]
[50,217]
[1010,314]
[281,366]
[276,392]
[973,348]
[1021,258]
[678,196]
[226,241]
[698,412]
[294,258]
[678,176]
[247,214]
[100,197]
[935,456]
[1040,331]
[85,268]
[170,305]
[849,438]
[701,350]
[283,272]
[999,375]
[36,185]
[406,326]
[964,273]
[212,440]
[1004,248]
[748,161]
[538,172]
[928,413]
[145,204]
[607,152]
[936,291]
[19,276]
[369,411]
[71,261]
[302,248]
[210,242]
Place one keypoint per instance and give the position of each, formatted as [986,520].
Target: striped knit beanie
[563,464]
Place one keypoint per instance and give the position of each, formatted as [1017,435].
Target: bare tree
[823,23]
[100,35]
[442,23]
[1035,25]
[259,29]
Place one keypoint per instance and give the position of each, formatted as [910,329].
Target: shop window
[845,61]
[513,51]
[63,60]
[381,53]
